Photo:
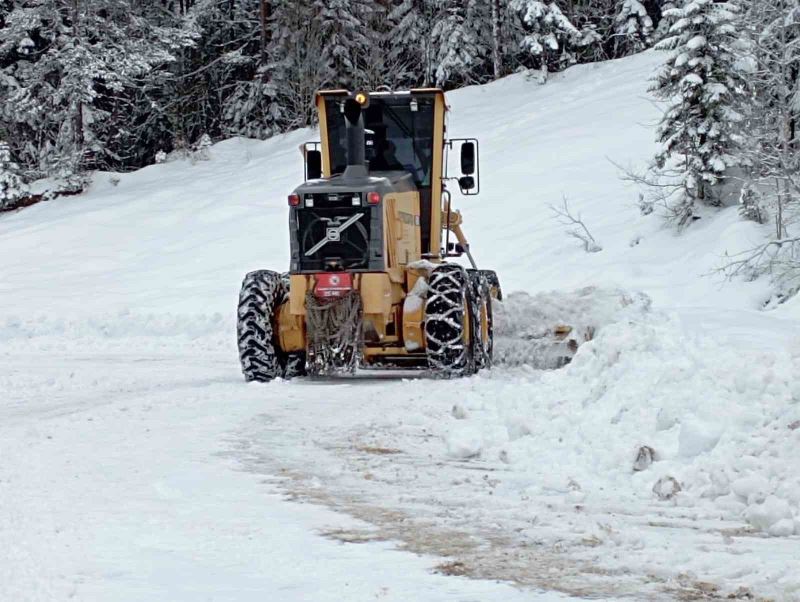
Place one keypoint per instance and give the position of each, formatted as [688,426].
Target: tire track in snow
[392,477]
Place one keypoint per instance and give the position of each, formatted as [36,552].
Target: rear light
[333,284]
[294,200]
[373,198]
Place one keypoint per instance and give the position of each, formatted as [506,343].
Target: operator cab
[399,139]
[398,136]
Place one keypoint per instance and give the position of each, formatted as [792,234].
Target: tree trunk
[79,137]
[265,14]
[496,58]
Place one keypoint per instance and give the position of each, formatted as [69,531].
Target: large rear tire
[261,357]
[449,329]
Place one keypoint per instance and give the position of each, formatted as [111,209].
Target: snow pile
[525,324]
[723,423]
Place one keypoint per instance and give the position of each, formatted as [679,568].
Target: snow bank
[525,324]
[723,423]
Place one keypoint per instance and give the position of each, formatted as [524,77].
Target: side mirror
[468,158]
[455,249]
[466,183]
[313,164]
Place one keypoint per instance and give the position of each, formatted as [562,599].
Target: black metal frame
[448,144]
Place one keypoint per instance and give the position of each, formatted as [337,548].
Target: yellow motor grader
[372,234]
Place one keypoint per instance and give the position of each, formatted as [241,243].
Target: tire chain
[481,293]
[448,356]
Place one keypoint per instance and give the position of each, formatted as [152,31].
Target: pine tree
[596,20]
[456,46]
[409,43]
[374,67]
[661,11]
[222,65]
[69,75]
[701,83]
[294,69]
[549,35]
[346,39]
[634,28]
[774,118]
[12,186]
[250,108]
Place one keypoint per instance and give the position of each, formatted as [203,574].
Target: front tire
[448,323]
[482,319]
[261,357]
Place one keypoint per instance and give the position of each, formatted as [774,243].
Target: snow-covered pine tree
[345,39]
[772,189]
[409,42]
[202,149]
[549,35]
[12,186]
[294,70]
[252,108]
[751,204]
[595,20]
[773,108]
[69,74]
[456,46]
[634,28]
[499,31]
[374,66]
[663,17]
[701,84]
[221,66]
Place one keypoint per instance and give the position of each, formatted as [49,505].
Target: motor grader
[371,281]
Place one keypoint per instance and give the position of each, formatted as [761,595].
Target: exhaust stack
[356,140]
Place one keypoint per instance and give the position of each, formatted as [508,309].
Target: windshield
[398,139]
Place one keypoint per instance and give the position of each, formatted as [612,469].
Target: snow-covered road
[126,475]
[144,468]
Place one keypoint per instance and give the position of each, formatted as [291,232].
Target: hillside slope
[177,237]
[123,413]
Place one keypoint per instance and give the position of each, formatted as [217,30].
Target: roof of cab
[338,92]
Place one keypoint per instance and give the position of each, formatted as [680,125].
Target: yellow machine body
[414,220]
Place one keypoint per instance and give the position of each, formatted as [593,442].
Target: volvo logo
[333,233]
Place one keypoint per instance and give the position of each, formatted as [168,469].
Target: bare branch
[578,228]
